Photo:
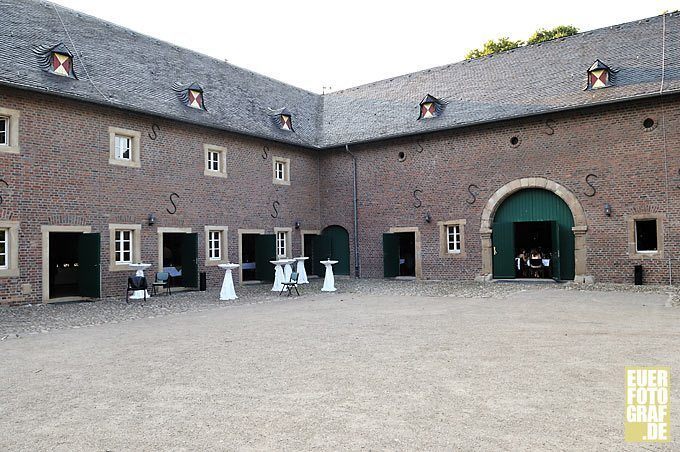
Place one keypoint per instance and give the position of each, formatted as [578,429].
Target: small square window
[453,238]
[4,131]
[213,161]
[123,147]
[215,245]
[281,171]
[646,240]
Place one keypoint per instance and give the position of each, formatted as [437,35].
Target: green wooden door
[190,260]
[391,255]
[555,266]
[337,241]
[503,250]
[89,257]
[535,204]
[322,250]
[265,251]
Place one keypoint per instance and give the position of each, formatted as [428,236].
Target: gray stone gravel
[523,367]
[25,320]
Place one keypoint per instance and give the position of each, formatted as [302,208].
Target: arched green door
[335,244]
[533,205]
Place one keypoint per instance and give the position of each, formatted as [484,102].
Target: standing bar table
[278,275]
[228,292]
[302,273]
[329,279]
[139,267]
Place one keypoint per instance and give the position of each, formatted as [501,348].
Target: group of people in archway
[532,264]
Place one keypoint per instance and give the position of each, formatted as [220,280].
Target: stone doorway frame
[418,246]
[580,224]
[45,236]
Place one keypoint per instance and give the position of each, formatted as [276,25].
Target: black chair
[536,267]
[163,281]
[290,285]
[135,283]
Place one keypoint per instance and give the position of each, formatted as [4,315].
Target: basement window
[646,240]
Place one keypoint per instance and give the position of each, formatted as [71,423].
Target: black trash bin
[638,275]
[203,282]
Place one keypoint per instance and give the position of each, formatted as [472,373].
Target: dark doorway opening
[407,253]
[334,244]
[249,257]
[313,264]
[180,258]
[64,264]
[534,240]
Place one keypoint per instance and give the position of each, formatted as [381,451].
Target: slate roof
[125,69]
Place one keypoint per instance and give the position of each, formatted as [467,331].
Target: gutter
[357,266]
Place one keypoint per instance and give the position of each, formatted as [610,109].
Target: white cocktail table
[302,273]
[228,292]
[329,279]
[287,269]
[278,274]
[139,267]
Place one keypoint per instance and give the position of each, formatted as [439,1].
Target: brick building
[117,148]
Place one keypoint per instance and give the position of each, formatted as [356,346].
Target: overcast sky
[316,44]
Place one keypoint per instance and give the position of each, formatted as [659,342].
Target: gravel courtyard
[379,365]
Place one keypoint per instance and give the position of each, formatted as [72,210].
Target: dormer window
[282,119]
[190,95]
[599,75]
[57,60]
[431,107]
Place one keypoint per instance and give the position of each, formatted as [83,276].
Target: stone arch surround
[580,224]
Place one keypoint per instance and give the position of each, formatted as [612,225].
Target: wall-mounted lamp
[152,219]
[297,225]
[428,217]
[607,209]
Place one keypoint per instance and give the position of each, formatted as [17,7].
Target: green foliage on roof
[502,44]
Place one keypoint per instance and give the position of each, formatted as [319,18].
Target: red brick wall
[609,142]
[62,177]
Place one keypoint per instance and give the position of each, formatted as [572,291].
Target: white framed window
[281,247]
[123,246]
[281,171]
[215,160]
[453,238]
[216,250]
[646,240]
[123,147]
[4,131]
[215,245]
[4,249]
[9,249]
[9,131]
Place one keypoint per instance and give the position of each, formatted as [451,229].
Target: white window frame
[4,130]
[123,239]
[11,143]
[656,226]
[10,268]
[209,150]
[119,141]
[281,177]
[114,159]
[283,242]
[445,238]
[210,259]
[215,245]
[135,246]
[453,238]
[4,255]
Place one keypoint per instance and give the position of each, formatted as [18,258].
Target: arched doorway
[548,202]
[536,220]
[334,243]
